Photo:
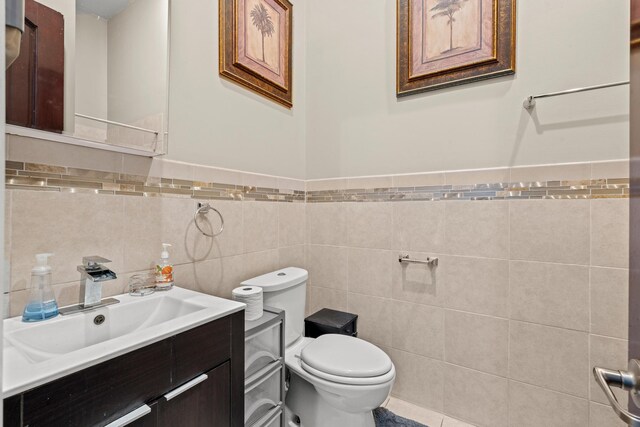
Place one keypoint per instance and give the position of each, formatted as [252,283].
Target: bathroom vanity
[190,374]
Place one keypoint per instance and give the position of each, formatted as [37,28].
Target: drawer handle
[178,391]
[131,417]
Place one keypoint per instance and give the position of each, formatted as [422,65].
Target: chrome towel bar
[429,261]
[530,101]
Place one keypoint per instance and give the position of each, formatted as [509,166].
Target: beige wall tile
[171,169]
[418,329]
[419,226]
[292,256]
[259,263]
[475,397]
[69,225]
[33,150]
[552,231]
[550,294]
[553,358]
[217,175]
[370,272]
[610,233]
[609,353]
[214,277]
[369,225]
[613,169]
[6,280]
[531,406]
[142,243]
[326,184]
[479,176]
[374,316]
[610,302]
[477,285]
[319,298]
[418,179]
[291,224]
[603,416]
[419,380]
[370,182]
[327,223]
[477,342]
[418,283]
[291,184]
[327,266]
[477,228]
[568,172]
[260,226]
[259,180]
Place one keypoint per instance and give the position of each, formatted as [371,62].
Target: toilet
[333,380]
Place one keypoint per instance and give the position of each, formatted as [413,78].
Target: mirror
[94,70]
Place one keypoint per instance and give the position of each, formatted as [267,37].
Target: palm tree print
[262,21]
[447,8]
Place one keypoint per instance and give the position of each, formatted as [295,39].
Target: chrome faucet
[92,274]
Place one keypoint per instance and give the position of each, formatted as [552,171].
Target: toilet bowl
[334,380]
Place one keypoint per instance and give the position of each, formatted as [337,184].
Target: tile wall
[527,297]
[76,202]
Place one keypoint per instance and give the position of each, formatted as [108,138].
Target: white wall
[217,123]
[356,126]
[91,69]
[138,61]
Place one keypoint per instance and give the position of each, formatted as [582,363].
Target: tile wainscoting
[503,332]
[527,297]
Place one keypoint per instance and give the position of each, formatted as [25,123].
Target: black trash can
[327,321]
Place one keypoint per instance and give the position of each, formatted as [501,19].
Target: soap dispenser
[164,270]
[42,303]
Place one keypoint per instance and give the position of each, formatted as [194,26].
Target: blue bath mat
[385,418]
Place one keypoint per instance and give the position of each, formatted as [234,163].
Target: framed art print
[255,46]
[443,43]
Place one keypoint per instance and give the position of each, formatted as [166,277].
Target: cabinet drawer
[201,349]
[261,349]
[262,393]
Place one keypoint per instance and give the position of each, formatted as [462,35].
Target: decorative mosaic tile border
[587,189]
[39,177]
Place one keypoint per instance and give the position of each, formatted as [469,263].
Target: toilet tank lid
[279,280]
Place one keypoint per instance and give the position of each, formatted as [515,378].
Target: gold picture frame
[255,42]
[444,43]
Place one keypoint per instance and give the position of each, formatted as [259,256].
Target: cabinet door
[199,402]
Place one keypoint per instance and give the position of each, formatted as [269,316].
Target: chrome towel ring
[204,208]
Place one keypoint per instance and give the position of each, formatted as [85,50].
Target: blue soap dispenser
[42,303]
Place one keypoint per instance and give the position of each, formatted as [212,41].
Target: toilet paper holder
[431,262]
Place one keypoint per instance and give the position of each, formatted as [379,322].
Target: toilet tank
[285,289]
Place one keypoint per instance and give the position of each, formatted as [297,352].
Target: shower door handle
[626,380]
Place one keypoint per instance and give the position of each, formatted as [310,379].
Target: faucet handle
[93,262]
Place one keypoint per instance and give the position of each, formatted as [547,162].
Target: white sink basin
[35,353]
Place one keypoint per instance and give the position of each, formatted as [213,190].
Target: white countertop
[22,372]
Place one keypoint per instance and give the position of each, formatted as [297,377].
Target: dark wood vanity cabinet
[192,379]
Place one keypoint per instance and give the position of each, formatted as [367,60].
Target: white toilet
[335,380]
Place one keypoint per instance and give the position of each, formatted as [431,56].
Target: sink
[35,353]
[70,333]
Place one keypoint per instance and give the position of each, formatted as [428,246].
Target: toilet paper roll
[252,297]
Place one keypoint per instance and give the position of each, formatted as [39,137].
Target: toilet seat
[346,360]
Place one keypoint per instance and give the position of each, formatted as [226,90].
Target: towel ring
[204,208]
